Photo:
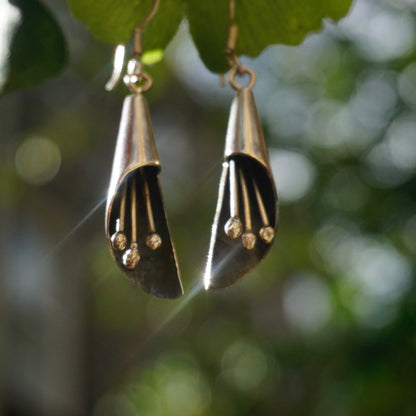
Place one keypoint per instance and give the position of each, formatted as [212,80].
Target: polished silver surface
[244,132]
[151,264]
[135,145]
[230,259]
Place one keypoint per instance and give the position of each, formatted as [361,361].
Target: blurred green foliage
[114,21]
[261,24]
[264,23]
[36,48]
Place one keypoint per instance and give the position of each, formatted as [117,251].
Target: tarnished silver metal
[244,132]
[135,147]
[136,166]
[230,259]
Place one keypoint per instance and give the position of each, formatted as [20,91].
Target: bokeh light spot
[346,191]
[379,34]
[294,174]
[38,160]
[402,143]
[381,270]
[372,313]
[152,57]
[307,303]
[407,84]
[186,391]
[374,275]
[409,234]
[244,365]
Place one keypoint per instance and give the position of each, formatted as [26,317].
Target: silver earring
[247,212]
[136,225]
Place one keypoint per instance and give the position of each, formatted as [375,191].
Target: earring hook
[232,58]
[120,52]
[236,67]
[151,14]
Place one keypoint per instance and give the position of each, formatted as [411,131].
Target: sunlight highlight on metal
[140,349]
[196,288]
[207,275]
[112,272]
[210,273]
[59,245]
[117,67]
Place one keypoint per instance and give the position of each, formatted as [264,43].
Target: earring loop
[131,81]
[240,71]
[135,72]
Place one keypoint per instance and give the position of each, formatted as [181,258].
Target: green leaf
[261,23]
[36,46]
[113,21]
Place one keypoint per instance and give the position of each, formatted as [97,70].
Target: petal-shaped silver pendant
[136,224]
[247,213]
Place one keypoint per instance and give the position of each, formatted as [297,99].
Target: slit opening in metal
[254,183]
[156,271]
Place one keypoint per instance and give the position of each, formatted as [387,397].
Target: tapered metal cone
[136,164]
[232,256]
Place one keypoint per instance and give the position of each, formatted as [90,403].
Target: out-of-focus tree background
[326,325]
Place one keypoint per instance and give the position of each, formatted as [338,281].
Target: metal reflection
[136,223]
[246,217]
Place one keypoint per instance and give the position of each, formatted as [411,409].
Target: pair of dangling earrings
[246,216]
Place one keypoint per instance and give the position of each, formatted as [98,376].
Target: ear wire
[135,79]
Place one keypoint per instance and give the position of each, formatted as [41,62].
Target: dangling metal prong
[133,212]
[117,68]
[248,238]
[120,52]
[233,227]
[132,257]
[153,239]
[266,232]
[119,239]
